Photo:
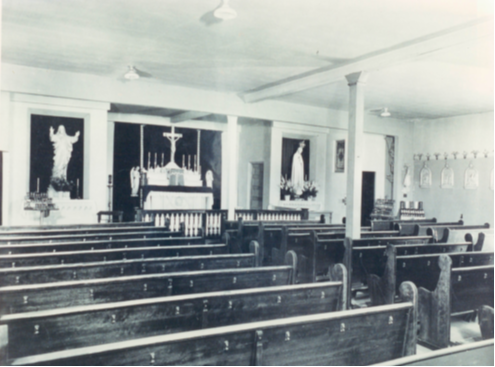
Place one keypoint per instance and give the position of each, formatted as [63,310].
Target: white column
[233,146]
[355,143]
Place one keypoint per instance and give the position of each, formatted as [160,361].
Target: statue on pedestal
[297,175]
[62,145]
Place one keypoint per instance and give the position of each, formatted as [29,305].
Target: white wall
[456,134]
[254,146]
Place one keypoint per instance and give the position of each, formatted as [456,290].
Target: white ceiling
[180,42]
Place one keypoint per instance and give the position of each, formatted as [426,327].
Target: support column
[233,146]
[355,143]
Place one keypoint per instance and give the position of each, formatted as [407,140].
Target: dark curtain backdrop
[41,162]
[126,156]
[289,147]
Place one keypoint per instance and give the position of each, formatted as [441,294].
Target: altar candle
[38,185]
[183,160]
[77,185]
[163,158]
[155,159]
[189,162]
[149,160]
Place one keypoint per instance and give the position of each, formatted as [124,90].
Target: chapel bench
[107,269]
[390,224]
[448,284]
[75,327]
[124,225]
[98,245]
[158,232]
[459,233]
[421,229]
[355,337]
[36,297]
[71,257]
[409,228]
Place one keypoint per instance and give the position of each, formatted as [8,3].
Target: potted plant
[286,189]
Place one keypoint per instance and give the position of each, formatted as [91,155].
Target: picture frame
[340,156]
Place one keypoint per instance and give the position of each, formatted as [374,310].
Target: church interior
[214,182]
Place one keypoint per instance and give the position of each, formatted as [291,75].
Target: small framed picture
[340,156]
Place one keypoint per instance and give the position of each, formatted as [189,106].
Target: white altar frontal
[157,200]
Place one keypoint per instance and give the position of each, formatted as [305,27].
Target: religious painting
[425,177]
[295,162]
[447,177]
[57,155]
[471,178]
[340,156]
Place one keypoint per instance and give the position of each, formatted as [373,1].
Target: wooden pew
[124,225]
[353,337]
[368,260]
[78,230]
[35,297]
[410,228]
[414,268]
[390,224]
[159,232]
[97,245]
[422,229]
[452,233]
[83,326]
[71,257]
[448,284]
[98,270]
[458,233]
[472,354]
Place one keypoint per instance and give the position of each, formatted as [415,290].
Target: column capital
[359,77]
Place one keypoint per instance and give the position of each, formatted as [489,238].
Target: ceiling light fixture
[385,113]
[225,12]
[131,74]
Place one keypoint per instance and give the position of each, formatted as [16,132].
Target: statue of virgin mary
[297,175]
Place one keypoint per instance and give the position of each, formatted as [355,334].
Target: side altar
[170,186]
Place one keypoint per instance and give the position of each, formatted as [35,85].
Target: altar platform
[176,197]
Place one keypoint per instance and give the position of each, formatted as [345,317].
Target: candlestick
[183,160]
[163,158]
[188,161]
[38,185]
[149,160]
[77,187]
[155,159]
[109,179]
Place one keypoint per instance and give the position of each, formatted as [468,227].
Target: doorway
[256,186]
[367,197]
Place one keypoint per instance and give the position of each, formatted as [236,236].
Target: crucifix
[173,137]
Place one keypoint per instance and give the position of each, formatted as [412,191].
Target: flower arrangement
[286,188]
[310,190]
[60,184]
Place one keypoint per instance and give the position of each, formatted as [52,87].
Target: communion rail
[211,223]
[271,215]
[207,223]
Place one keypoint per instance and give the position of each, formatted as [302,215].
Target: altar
[177,197]
[67,212]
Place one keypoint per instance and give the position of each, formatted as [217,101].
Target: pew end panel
[338,273]
[434,309]
[382,288]
[485,316]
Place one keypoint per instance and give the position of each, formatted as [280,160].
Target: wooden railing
[207,223]
[271,215]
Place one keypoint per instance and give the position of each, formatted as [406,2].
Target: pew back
[77,327]
[71,257]
[354,337]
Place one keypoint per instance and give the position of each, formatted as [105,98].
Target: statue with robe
[297,175]
[62,145]
[135,179]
